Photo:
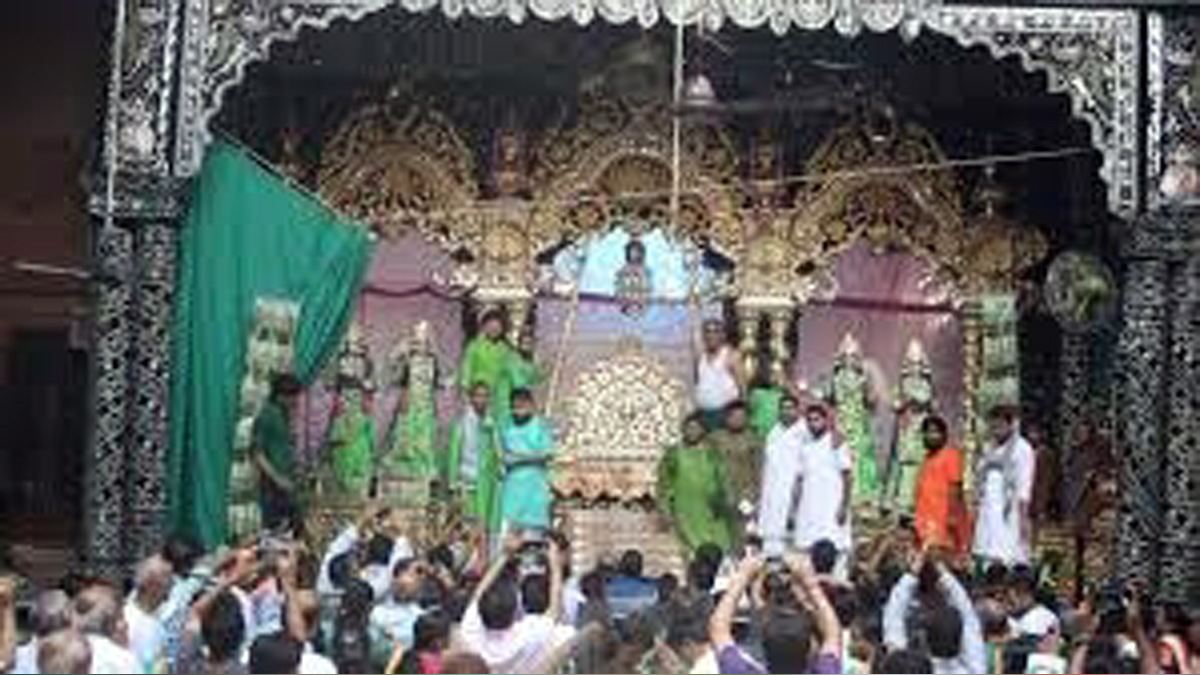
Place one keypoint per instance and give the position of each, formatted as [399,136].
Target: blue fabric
[629,595]
[525,503]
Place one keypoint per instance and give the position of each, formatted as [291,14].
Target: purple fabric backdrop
[395,298]
[884,303]
[882,299]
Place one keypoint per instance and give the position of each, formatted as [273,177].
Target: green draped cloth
[247,235]
[351,445]
[480,497]
[764,409]
[489,361]
[691,491]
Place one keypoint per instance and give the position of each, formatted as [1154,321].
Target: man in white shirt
[98,615]
[394,619]
[1028,617]
[825,468]
[152,583]
[51,613]
[781,465]
[1005,478]
[381,561]
[951,627]
[491,628]
[718,375]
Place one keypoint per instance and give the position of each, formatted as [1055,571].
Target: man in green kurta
[487,359]
[691,489]
[473,471]
[273,451]
[521,371]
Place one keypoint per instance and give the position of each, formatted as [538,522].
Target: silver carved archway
[174,60]
[1091,56]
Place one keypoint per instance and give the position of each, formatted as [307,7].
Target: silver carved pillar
[1140,437]
[150,376]
[1181,534]
[1074,364]
[136,199]
[105,503]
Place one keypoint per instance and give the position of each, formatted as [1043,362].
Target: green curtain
[248,234]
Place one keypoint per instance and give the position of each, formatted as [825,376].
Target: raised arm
[720,626]
[806,585]
[973,649]
[510,547]
[895,635]
[555,610]
[1147,650]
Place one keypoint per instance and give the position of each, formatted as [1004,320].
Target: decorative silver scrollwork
[1089,55]
[105,500]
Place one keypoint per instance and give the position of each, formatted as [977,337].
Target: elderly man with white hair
[66,652]
[97,611]
[51,613]
[147,639]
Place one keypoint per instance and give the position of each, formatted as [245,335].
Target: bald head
[64,651]
[152,582]
[51,612]
[97,611]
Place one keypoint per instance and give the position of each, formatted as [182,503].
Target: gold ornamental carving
[400,169]
[622,413]
[614,164]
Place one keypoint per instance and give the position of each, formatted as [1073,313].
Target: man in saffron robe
[940,515]
[528,447]
[487,359]
[473,468]
[692,489]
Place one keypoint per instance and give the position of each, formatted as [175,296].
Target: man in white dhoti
[825,481]
[1004,479]
[780,468]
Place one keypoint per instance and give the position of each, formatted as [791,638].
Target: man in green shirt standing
[488,359]
[273,450]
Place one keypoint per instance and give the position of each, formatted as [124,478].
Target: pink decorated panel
[398,293]
[885,301]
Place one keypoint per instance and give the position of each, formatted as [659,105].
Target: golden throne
[618,418]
